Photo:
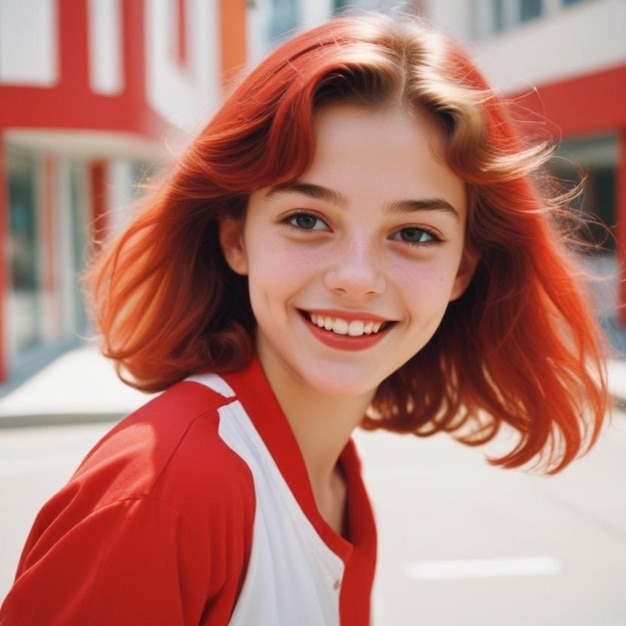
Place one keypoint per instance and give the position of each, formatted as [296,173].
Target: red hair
[519,348]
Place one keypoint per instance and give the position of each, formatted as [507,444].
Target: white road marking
[483,568]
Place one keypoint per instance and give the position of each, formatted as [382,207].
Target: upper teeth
[353,328]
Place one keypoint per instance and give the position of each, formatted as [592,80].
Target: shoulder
[169,450]
[161,496]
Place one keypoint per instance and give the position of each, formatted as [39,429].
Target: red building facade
[86,109]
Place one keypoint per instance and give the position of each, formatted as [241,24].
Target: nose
[355,269]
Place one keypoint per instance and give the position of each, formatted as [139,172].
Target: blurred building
[93,92]
[89,91]
[566,61]
[272,21]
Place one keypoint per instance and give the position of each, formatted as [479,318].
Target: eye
[416,235]
[306,221]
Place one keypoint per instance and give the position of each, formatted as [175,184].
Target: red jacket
[196,511]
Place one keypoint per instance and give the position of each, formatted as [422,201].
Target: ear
[464,276]
[232,244]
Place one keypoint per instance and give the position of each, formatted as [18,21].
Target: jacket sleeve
[134,562]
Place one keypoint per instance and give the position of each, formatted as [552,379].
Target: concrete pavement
[78,386]
[81,386]
[449,526]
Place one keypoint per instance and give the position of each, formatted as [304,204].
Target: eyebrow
[317,192]
[428,204]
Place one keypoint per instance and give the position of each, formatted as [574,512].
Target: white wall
[453,17]
[315,13]
[28,42]
[312,13]
[120,194]
[105,46]
[578,40]
[184,96]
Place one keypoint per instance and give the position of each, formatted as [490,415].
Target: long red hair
[519,348]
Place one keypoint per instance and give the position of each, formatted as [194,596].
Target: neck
[321,423]
[322,426]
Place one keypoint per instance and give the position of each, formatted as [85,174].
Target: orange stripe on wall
[233,39]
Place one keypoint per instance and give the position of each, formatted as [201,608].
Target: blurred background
[96,95]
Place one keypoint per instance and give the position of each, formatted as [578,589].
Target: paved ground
[82,386]
[459,542]
[463,543]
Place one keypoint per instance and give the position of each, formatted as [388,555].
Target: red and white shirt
[197,510]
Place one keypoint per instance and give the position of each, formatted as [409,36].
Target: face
[352,267]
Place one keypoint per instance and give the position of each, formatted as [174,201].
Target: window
[80,238]
[529,9]
[285,19]
[339,5]
[499,22]
[506,14]
[25,262]
[596,158]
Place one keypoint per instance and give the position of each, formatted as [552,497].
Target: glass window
[338,5]
[80,240]
[506,14]
[568,2]
[499,20]
[530,9]
[24,256]
[595,158]
[285,18]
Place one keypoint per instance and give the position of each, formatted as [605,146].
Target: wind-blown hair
[519,348]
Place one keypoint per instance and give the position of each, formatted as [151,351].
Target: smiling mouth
[350,328]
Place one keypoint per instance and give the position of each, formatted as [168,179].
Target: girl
[357,238]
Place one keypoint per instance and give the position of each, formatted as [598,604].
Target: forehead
[387,153]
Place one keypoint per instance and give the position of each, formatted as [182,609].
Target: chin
[341,385]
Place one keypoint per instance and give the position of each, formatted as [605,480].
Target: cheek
[426,285]
[277,273]
[280,261]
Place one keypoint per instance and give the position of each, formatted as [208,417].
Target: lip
[345,342]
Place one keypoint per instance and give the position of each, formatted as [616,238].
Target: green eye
[416,235]
[306,221]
